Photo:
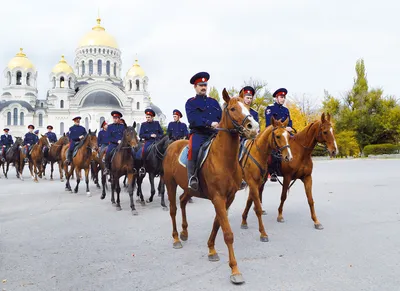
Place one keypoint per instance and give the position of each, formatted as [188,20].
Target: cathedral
[91,88]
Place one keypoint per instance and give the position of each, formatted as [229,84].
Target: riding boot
[3,154]
[107,165]
[27,154]
[142,170]
[243,185]
[274,177]
[192,175]
[69,157]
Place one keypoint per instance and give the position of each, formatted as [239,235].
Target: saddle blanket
[203,153]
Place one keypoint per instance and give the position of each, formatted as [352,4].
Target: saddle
[201,158]
[78,145]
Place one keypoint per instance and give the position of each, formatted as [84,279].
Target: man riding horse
[30,139]
[177,129]
[102,138]
[6,141]
[75,134]
[115,132]
[204,114]
[52,139]
[150,131]
[248,99]
[279,112]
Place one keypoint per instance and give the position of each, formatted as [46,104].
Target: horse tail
[93,172]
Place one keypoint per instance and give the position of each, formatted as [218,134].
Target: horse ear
[95,131]
[329,117]
[323,117]
[90,131]
[285,123]
[241,95]
[134,124]
[225,95]
[273,121]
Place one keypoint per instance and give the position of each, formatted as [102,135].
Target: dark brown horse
[220,176]
[54,156]
[36,157]
[122,164]
[12,156]
[254,162]
[302,145]
[81,161]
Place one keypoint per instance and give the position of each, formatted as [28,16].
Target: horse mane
[303,134]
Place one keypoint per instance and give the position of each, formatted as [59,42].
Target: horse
[12,156]
[81,161]
[254,163]
[36,157]
[154,158]
[220,176]
[122,163]
[54,156]
[302,144]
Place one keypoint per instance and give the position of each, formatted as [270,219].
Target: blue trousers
[195,142]
[140,153]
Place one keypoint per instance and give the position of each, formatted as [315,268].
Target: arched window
[19,77]
[69,83]
[21,118]
[137,85]
[28,79]
[87,123]
[40,120]
[83,68]
[41,104]
[61,128]
[62,82]
[8,118]
[94,50]
[130,85]
[90,67]
[115,69]
[101,120]
[8,78]
[108,68]
[99,67]
[54,82]
[138,105]
[144,86]
[104,51]
[61,103]
[90,50]
[15,117]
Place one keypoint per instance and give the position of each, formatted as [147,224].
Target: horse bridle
[237,128]
[316,138]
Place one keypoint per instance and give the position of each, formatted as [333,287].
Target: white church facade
[92,88]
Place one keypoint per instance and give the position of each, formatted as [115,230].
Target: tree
[331,105]
[299,119]
[214,94]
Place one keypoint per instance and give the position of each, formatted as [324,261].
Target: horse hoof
[264,212]
[62,180]
[143,203]
[51,179]
[102,196]
[318,226]
[165,208]
[237,279]
[135,213]
[118,208]
[138,200]
[75,191]
[280,219]
[183,237]
[213,258]
[177,245]
[244,226]
[264,239]
[36,181]
[88,194]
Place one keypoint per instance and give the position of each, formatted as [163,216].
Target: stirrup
[106,171]
[26,160]
[274,177]
[3,160]
[243,185]
[142,171]
[194,183]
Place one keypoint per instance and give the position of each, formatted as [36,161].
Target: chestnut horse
[54,156]
[254,163]
[81,161]
[12,156]
[220,176]
[36,157]
[122,163]
[302,144]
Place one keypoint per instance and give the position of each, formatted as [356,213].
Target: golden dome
[98,36]
[136,70]
[62,66]
[20,60]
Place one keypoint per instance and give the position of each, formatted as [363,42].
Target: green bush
[381,149]
[319,152]
[347,144]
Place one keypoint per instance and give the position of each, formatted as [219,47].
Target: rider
[248,98]
[75,134]
[149,132]
[52,139]
[204,114]
[102,138]
[115,132]
[6,141]
[29,140]
[279,112]
[177,129]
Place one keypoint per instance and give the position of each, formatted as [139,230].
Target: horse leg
[183,201]
[118,188]
[60,170]
[21,168]
[51,170]
[139,191]
[258,210]
[261,190]
[246,212]
[112,189]
[286,182]
[67,177]
[153,191]
[162,193]
[6,173]
[130,191]
[160,187]
[103,184]
[78,173]
[307,180]
[87,182]
[220,206]
[171,188]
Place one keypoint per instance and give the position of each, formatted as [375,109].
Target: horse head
[92,140]
[280,138]
[18,140]
[44,140]
[130,135]
[326,135]
[238,116]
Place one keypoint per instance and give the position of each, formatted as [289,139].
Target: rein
[237,128]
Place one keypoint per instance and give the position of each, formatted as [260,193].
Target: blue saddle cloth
[241,148]
[203,153]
